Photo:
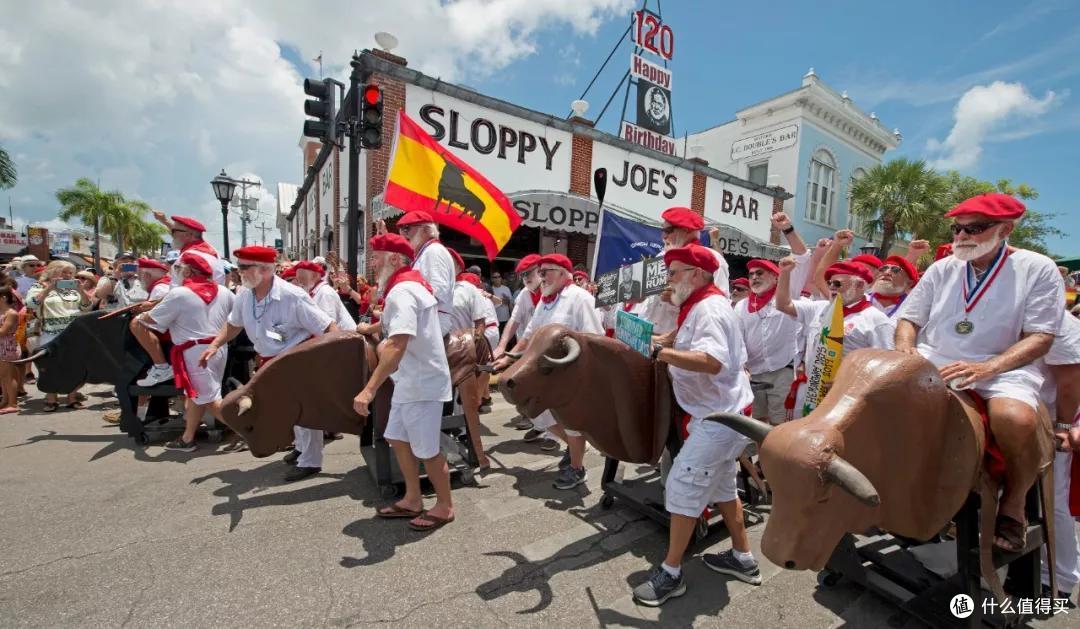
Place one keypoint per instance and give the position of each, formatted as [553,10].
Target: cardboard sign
[635,332]
[632,282]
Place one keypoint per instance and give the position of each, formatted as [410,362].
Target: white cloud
[984,110]
[156,98]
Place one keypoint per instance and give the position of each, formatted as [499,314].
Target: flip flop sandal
[394,511]
[436,522]
[75,405]
[1009,534]
[51,408]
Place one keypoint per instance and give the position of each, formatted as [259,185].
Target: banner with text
[633,282]
[623,241]
[635,332]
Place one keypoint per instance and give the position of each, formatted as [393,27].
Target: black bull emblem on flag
[452,190]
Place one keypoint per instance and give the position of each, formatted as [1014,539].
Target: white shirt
[503,292]
[523,309]
[771,337]
[661,314]
[437,266]
[158,292]
[1026,297]
[491,321]
[720,277]
[123,295]
[866,328]
[888,309]
[187,317]
[423,374]
[286,317]
[326,298]
[1066,347]
[217,265]
[467,306]
[574,308]
[23,284]
[711,327]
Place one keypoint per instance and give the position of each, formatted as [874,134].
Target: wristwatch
[787,230]
[656,348]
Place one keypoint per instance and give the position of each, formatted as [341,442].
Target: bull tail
[1046,498]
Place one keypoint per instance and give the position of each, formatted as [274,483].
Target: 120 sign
[652,35]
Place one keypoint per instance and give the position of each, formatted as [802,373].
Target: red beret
[849,268]
[308,265]
[457,258]
[993,205]
[558,259]
[256,253]
[943,251]
[694,255]
[195,261]
[768,265]
[394,243]
[190,223]
[581,274]
[149,263]
[416,217]
[471,278]
[903,263]
[868,260]
[527,263]
[289,273]
[683,217]
[741,281]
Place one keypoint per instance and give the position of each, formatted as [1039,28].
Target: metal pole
[353,211]
[225,227]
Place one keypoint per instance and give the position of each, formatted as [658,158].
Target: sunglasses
[836,284]
[543,272]
[672,272]
[892,268]
[756,273]
[739,289]
[244,267]
[667,230]
[971,228]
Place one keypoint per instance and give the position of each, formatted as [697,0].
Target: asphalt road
[99,533]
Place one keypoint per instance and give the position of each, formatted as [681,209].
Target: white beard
[886,287]
[249,284]
[680,293]
[384,277]
[550,289]
[967,254]
[851,295]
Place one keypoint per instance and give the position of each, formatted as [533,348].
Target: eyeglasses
[738,289]
[672,272]
[543,272]
[836,284]
[971,228]
[892,268]
[667,230]
[244,267]
[756,273]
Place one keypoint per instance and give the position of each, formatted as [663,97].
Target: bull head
[32,357]
[244,404]
[845,476]
[746,426]
[573,351]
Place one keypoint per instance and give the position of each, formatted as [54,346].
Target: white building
[811,142]
[286,196]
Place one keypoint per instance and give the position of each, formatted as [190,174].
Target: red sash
[180,372]
[793,394]
[696,296]
[261,360]
[535,295]
[161,280]
[993,459]
[756,302]
[405,274]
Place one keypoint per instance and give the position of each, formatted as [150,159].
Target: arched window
[821,188]
[854,223]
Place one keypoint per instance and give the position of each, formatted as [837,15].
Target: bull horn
[845,476]
[31,358]
[746,426]
[514,355]
[244,404]
[573,350]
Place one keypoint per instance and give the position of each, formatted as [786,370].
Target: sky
[155,98]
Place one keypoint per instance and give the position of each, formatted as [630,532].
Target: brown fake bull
[313,385]
[891,447]
[618,399]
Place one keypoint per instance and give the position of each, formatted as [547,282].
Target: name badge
[274,335]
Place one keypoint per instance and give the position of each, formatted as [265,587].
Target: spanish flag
[425,176]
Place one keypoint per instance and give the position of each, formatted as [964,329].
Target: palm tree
[146,237]
[8,175]
[94,207]
[896,197]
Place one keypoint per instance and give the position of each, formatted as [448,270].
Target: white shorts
[418,424]
[206,380]
[705,470]
[546,420]
[1018,384]
[770,402]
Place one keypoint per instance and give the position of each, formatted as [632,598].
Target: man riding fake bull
[983,316]
[414,357]
[276,317]
[706,360]
[192,313]
[561,302]
[187,235]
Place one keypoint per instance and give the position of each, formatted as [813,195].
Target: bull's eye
[250,429]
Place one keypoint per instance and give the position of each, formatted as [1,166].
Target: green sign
[635,332]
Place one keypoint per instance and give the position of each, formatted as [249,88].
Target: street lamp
[868,249]
[223,189]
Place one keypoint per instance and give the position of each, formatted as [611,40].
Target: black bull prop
[89,350]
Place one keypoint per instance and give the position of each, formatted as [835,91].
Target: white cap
[171,256]
[29,258]
[319,260]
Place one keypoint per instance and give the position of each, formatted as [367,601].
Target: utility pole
[262,232]
[248,207]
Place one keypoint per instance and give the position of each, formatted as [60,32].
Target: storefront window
[758,173]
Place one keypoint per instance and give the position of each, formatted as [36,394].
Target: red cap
[308,265]
[992,205]
[943,251]
[527,263]
[694,255]
[683,217]
[416,217]
[868,260]
[907,266]
[190,223]
[581,274]
[195,261]
[471,278]
[457,258]
[256,253]
[849,268]
[394,243]
[558,259]
[289,273]
[149,263]
[760,263]
[741,281]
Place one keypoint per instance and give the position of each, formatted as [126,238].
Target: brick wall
[577,245]
[697,191]
[378,160]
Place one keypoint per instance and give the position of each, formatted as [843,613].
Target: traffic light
[323,107]
[371,116]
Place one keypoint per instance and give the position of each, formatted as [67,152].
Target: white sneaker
[156,375]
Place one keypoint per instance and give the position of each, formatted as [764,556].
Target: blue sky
[154,99]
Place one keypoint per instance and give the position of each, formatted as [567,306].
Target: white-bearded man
[895,278]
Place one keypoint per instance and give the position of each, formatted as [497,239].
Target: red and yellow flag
[425,176]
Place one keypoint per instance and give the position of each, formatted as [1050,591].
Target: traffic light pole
[353,218]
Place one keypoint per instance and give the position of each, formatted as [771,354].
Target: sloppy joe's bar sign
[511,152]
[640,184]
[742,208]
[558,212]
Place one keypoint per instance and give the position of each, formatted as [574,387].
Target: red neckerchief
[756,302]
[471,278]
[887,300]
[314,288]
[161,280]
[696,296]
[199,245]
[547,299]
[535,295]
[405,274]
[205,287]
[859,307]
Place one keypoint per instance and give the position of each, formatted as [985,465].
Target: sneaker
[156,375]
[292,457]
[180,445]
[660,587]
[570,478]
[485,409]
[532,435]
[564,462]
[726,563]
[300,473]
[549,445]
[523,423]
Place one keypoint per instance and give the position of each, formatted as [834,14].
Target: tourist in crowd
[10,374]
[504,307]
[56,300]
